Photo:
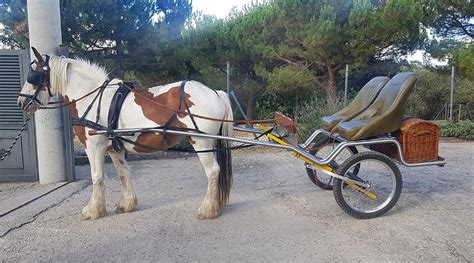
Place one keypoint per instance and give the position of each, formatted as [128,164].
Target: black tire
[316,178]
[340,186]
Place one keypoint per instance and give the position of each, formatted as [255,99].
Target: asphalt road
[275,215]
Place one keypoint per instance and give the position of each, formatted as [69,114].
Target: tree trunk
[119,71]
[331,86]
[251,103]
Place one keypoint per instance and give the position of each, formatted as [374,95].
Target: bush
[432,92]
[309,115]
[460,129]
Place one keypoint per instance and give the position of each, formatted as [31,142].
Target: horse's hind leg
[128,201]
[210,207]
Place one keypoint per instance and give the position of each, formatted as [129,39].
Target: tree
[214,42]
[450,18]
[458,53]
[433,89]
[326,35]
[13,17]
[463,60]
[121,33]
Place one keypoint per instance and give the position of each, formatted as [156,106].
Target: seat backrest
[364,98]
[385,114]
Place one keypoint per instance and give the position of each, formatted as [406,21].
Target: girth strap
[114,113]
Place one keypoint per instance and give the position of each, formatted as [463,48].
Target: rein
[155,103]
[62,105]
[192,114]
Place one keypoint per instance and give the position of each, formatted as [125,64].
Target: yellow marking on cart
[362,190]
[324,167]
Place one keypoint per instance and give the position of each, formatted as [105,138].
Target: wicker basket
[419,140]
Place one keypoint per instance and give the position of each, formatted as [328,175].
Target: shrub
[461,129]
[309,115]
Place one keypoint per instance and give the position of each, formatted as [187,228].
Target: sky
[218,8]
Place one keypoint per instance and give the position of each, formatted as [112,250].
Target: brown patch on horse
[153,142]
[79,130]
[160,115]
[121,161]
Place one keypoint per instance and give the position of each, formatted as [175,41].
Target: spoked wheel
[322,180]
[384,180]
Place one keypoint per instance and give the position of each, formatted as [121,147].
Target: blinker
[34,78]
[37,78]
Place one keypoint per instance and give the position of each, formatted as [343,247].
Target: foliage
[432,92]
[13,17]
[122,34]
[291,80]
[460,129]
[310,113]
[270,47]
[450,17]
[457,53]
[213,43]
[443,48]
[282,52]
[463,59]
[326,35]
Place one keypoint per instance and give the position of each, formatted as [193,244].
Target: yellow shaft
[324,167]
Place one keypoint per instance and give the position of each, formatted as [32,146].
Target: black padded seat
[362,101]
[385,114]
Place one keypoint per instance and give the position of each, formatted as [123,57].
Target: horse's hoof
[126,206]
[89,213]
[209,211]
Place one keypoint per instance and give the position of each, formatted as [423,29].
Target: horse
[79,81]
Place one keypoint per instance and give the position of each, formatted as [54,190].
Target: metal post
[452,95]
[346,84]
[238,105]
[44,25]
[459,115]
[228,78]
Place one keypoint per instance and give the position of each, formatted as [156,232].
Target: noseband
[39,80]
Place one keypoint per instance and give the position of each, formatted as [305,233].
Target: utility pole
[452,95]
[44,26]
[346,85]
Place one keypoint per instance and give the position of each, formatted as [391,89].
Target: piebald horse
[71,79]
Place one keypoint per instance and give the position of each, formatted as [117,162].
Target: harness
[40,81]
[115,109]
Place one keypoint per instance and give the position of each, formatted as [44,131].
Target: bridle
[39,80]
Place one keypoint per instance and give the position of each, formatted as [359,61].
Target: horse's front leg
[96,155]
[128,201]
[210,207]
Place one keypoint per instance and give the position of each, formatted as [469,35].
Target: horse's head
[37,88]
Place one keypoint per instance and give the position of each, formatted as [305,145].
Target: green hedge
[461,129]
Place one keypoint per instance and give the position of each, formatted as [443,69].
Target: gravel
[275,214]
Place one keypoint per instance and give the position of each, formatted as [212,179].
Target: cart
[366,184]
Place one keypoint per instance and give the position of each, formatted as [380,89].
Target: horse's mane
[59,67]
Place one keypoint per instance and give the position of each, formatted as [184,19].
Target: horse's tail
[224,156]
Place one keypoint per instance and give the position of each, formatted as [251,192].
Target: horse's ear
[38,56]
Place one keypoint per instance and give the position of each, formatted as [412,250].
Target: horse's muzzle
[28,103]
